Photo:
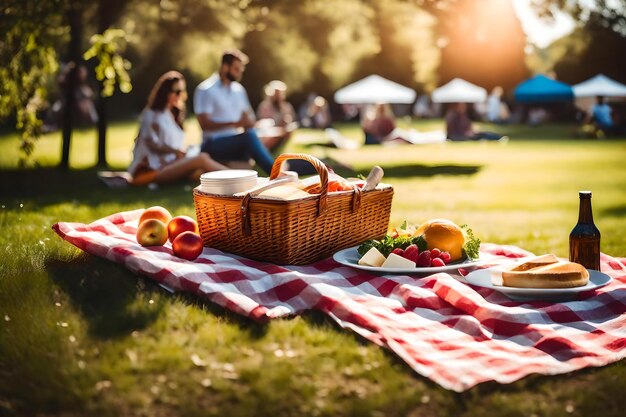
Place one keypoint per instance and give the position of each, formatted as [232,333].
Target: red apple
[156,212]
[152,232]
[187,245]
[180,224]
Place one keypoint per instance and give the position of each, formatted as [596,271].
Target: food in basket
[284,192]
[156,212]
[435,243]
[296,231]
[545,271]
[152,232]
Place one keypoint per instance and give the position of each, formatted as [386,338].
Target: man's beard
[231,77]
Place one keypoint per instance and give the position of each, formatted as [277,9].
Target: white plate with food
[350,257]
[544,278]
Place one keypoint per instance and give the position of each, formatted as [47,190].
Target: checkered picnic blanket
[452,333]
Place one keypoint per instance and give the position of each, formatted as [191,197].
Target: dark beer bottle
[584,240]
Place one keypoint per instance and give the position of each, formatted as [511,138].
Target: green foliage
[27,60]
[472,243]
[112,68]
[389,243]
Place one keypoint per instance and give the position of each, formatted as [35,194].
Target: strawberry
[398,251]
[435,253]
[423,259]
[445,257]
[411,253]
[437,262]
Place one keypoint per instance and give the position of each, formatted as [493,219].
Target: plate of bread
[543,277]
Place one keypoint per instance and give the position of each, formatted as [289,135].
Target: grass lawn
[82,336]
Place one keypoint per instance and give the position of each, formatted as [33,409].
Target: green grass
[82,336]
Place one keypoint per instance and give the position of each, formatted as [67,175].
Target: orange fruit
[444,235]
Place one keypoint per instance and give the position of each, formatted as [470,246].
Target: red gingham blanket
[452,333]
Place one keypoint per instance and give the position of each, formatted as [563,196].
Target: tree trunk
[74,16]
[108,12]
[101,108]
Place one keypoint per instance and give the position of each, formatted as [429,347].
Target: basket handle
[322,204]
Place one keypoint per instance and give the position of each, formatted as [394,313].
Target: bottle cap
[584,194]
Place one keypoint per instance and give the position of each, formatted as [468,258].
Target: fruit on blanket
[180,224]
[152,232]
[156,212]
[444,235]
[187,245]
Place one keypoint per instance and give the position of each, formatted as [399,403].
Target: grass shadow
[255,329]
[615,211]
[116,302]
[113,300]
[420,170]
[51,186]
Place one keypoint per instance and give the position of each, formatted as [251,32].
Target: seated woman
[380,128]
[158,155]
[315,113]
[378,124]
[459,126]
[276,116]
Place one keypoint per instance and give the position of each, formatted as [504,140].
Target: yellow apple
[152,232]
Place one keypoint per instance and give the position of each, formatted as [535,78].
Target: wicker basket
[293,232]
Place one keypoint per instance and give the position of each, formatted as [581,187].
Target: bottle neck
[585,214]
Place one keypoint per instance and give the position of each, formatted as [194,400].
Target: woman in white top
[158,155]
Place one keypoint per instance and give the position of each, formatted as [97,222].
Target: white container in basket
[228,182]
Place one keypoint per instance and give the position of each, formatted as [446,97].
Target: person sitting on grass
[378,124]
[277,117]
[380,128]
[224,113]
[459,126]
[158,155]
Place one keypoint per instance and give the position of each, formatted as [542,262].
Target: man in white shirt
[223,110]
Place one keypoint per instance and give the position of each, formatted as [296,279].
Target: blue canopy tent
[541,89]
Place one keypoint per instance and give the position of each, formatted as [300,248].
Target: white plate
[482,278]
[350,257]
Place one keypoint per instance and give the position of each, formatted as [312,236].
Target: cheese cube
[372,257]
[397,261]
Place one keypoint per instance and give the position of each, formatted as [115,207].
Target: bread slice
[546,272]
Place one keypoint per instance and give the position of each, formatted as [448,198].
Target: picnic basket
[293,232]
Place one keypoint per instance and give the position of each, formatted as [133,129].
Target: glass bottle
[584,240]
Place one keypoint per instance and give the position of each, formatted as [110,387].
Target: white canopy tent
[600,85]
[459,91]
[375,89]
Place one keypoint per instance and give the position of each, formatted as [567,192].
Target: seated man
[601,113]
[277,117]
[459,126]
[223,110]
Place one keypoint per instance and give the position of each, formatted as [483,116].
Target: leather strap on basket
[245,215]
[322,203]
[356,197]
